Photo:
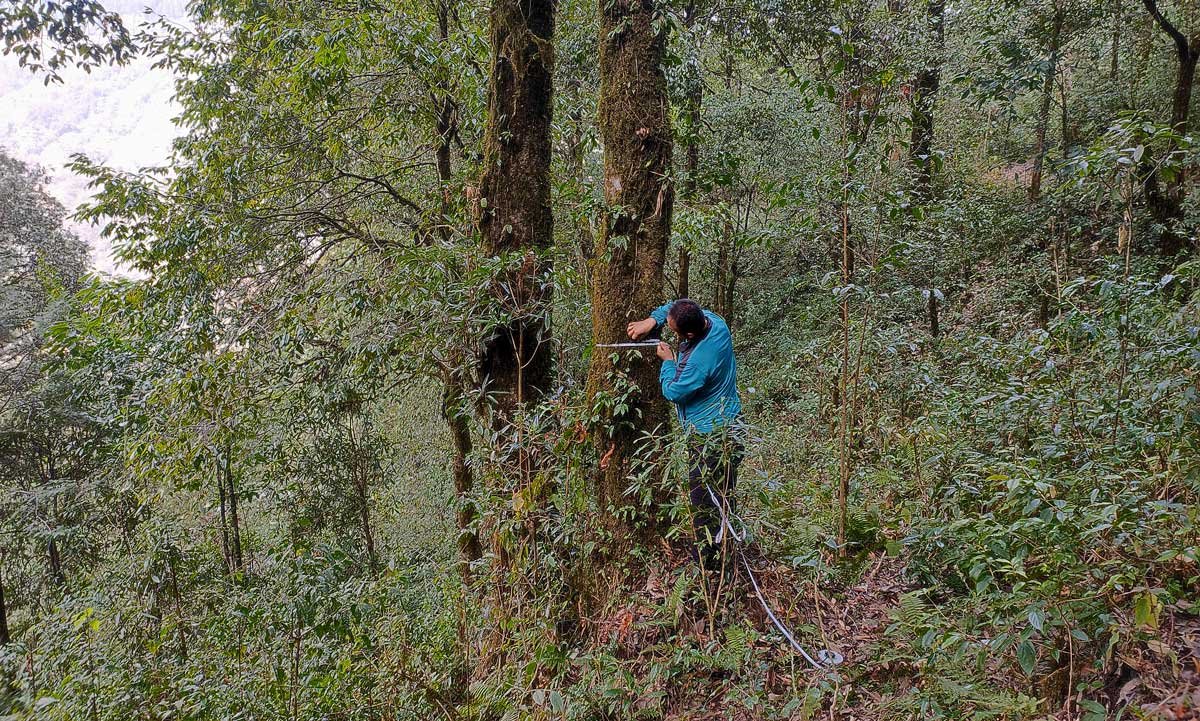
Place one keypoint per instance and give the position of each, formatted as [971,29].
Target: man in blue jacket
[702,383]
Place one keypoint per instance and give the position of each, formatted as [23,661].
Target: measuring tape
[639,344]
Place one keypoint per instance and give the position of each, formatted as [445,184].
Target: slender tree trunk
[925,90]
[853,132]
[469,549]
[845,406]
[926,87]
[1168,208]
[631,248]
[934,328]
[5,637]
[514,192]
[576,143]
[731,289]
[1114,58]
[53,554]
[223,504]
[1039,153]
[685,272]
[727,267]
[722,271]
[447,127]
[360,477]
[1181,104]
[235,525]
[55,558]
[183,647]
[453,409]
[1065,126]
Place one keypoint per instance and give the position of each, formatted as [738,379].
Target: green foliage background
[1021,533]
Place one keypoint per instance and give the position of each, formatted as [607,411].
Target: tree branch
[1181,42]
[391,190]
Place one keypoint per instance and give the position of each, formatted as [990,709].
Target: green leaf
[1027,656]
[1094,711]
[1146,609]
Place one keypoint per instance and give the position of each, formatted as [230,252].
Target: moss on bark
[627,267]
[515,197]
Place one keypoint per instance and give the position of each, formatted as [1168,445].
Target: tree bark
[514,190]
[685,272]
[925,90]
[469,549]
[1039,155]
[627,279]
[1167,208]
[447,127]
[691,117]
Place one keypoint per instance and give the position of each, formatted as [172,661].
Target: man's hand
[641,328]
[664,351]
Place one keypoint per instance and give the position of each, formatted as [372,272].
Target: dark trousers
[712,476]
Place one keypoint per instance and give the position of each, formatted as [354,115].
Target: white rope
[725,524]
[775,619]
[832,657]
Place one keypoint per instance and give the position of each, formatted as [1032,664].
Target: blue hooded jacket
[702,382]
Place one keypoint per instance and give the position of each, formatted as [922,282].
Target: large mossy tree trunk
[631,248]
[693,102]
[515,213]
[1167,208]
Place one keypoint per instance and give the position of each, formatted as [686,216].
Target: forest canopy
[363,431]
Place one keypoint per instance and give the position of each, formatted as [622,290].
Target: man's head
[686,318]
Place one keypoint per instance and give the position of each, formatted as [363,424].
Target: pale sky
[120,117]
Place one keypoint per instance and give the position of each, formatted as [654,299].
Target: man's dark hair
[688,316]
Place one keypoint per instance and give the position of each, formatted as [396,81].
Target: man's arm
[680,383]
[659,314]
[639,329]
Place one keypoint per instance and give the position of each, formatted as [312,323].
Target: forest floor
[1162,677]
[1156,678]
